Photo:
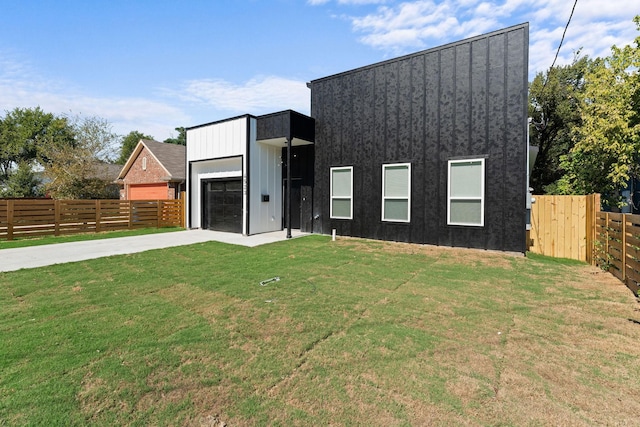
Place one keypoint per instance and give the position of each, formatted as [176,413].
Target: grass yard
[49,240]
[355,332]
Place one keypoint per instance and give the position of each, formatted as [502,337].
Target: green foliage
[181,139]
[129,144]
[81,172]
[605,155]
[553,106]
[25,135]
[603,259]
[23,182]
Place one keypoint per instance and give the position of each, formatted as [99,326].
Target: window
[466,192]
[144,163]
[342,192]
[396,192]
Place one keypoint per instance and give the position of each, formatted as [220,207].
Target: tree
[23,182]
[129,144]
[24,134]
[78,173]
[553,106]
[606,152]
[181,139]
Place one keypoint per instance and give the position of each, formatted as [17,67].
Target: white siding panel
[266,178]
[224,139]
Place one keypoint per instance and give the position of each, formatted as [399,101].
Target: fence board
[618,247]
[563,226]
[41,217]
[633,240]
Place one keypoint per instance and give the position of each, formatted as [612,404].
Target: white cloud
[193,102]
[594,28]
[259,95]
[22,87]
[401,27]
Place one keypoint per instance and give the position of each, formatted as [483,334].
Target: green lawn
[355,332]
[48,240]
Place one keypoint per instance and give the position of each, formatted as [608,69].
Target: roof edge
[230,119]
[134,155]
[524,25]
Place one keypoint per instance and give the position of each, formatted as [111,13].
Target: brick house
[155,170]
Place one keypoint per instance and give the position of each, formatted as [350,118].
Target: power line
[546,80]
[564,33]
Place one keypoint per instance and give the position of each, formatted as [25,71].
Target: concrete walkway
[58,253]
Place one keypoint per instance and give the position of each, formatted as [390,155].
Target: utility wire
[560,45]
[541,125]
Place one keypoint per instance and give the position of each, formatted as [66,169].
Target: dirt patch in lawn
[466,256]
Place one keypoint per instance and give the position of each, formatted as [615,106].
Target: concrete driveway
[58,253]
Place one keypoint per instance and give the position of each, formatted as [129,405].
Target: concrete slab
[39,256]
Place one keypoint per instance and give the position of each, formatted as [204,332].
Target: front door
[302,167]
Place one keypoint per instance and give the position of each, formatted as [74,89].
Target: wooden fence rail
[46,217]
[617,247]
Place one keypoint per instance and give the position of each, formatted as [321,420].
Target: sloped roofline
[422,52]
[134,155]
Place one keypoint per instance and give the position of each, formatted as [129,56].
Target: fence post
[98,213]
[183,210]
[56,214]
[606,236]
[159,212]
[591,228]
[10,220]
[130,211]
[624,248]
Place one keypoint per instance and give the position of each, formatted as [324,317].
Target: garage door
[148,192]
[222,205]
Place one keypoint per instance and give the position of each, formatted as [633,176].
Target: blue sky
[154,65]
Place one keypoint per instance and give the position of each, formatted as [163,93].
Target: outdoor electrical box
[265,197]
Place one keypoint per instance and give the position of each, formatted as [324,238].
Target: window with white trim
[396,192]
[466,192]
[342,192]
[144,163]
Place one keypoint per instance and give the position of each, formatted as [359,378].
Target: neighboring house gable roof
[107,171]
[170,156]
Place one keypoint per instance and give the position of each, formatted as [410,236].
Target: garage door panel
[222,205]
[148,192]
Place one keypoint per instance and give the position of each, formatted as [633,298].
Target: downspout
[288,213]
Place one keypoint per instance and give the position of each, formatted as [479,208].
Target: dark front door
[222,205]
[302,164]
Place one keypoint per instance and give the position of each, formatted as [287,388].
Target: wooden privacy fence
[42,217]
[617,246]
[564,226]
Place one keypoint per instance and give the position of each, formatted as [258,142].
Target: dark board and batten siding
[284,124]
[465,99]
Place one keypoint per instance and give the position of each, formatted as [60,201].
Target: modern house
[237,170]
[154,171]
[426,148]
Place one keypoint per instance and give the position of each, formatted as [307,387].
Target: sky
[154,65]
